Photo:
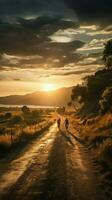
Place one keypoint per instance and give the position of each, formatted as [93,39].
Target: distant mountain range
[59,97]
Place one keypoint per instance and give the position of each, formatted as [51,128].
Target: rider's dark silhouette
[66,123]
[59,123]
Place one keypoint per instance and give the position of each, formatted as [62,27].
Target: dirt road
[53,167]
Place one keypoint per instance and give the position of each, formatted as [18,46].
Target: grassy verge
[97,136]
[21,137]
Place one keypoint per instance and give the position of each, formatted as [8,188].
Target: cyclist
[59,123]
[66,123]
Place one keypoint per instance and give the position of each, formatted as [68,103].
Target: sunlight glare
[48,87]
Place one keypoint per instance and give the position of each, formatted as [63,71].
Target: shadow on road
[75,137]
[66,137]
[55,187]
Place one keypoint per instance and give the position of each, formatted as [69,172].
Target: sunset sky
[53,43]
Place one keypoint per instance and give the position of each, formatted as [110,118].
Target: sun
[48,87]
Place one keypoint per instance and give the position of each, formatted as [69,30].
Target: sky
[48,44]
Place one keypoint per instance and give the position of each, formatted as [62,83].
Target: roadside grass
[14,134]
[5,143]
[97,136]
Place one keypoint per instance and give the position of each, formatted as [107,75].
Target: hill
[59,97]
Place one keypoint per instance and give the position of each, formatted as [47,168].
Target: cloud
[11,9]
[44,22]
[90,61]
[30,37]
[27,44]
[28,47]
[93,46]
[92,12]
[75,72]
[17,79]
[57,41]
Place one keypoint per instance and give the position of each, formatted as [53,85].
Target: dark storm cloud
[65,52]
[26,33]
[27,43]
[19,7]
[10,9]
[46,22]
[29,36]
[92,11]
[53,54]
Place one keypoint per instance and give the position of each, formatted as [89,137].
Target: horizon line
[32,92]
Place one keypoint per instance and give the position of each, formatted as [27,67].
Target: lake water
[30,106]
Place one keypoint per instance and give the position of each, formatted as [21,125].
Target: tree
[106,101]
[109,62]
[78,96]
[107,54]
[79,92]
[25,110]
[8,115]
[16,120]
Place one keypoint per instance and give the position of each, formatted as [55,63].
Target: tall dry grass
[16,135]
[98,138]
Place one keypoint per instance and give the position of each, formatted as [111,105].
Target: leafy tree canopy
[106,101]
[107,54]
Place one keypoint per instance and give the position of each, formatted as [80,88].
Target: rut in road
[60,169]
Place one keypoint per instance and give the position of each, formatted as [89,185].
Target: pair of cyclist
[66,123]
